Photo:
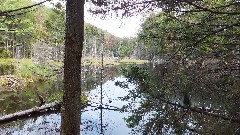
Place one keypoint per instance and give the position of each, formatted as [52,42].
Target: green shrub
[6,66]
[5,54]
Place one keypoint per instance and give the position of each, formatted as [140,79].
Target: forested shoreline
[190,85]
[41,29]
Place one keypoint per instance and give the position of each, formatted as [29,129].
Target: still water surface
[112,121]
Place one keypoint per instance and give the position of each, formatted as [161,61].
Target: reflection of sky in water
[112,120]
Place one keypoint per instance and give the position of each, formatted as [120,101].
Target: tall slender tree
[71,109]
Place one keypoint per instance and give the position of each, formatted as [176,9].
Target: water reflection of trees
[180,99]
[51,90]
[28,96]
[46,124]
[91,76]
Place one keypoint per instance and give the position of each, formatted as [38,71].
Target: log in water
[44,109]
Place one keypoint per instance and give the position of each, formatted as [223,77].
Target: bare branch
[6,13]
[211,10]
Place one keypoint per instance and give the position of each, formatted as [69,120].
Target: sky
[127,27]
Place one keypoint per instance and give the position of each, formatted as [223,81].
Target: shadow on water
[180,101]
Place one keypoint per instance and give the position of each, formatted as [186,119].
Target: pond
[160,108]
[111,122]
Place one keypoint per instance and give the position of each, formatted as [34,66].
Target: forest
[180,74]
[43,28]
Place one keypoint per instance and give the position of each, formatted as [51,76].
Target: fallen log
[37,111]
[50,108]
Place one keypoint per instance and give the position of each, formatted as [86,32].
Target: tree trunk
[70,124]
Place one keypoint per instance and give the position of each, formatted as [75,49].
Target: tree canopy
[193,86]
[195,48]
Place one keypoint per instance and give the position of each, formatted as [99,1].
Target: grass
[90,61]
[28,69]
[25,69]
[131,61]
[110,62]
[6,61]
[6,66]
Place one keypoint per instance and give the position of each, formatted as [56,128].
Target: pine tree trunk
[70,124]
